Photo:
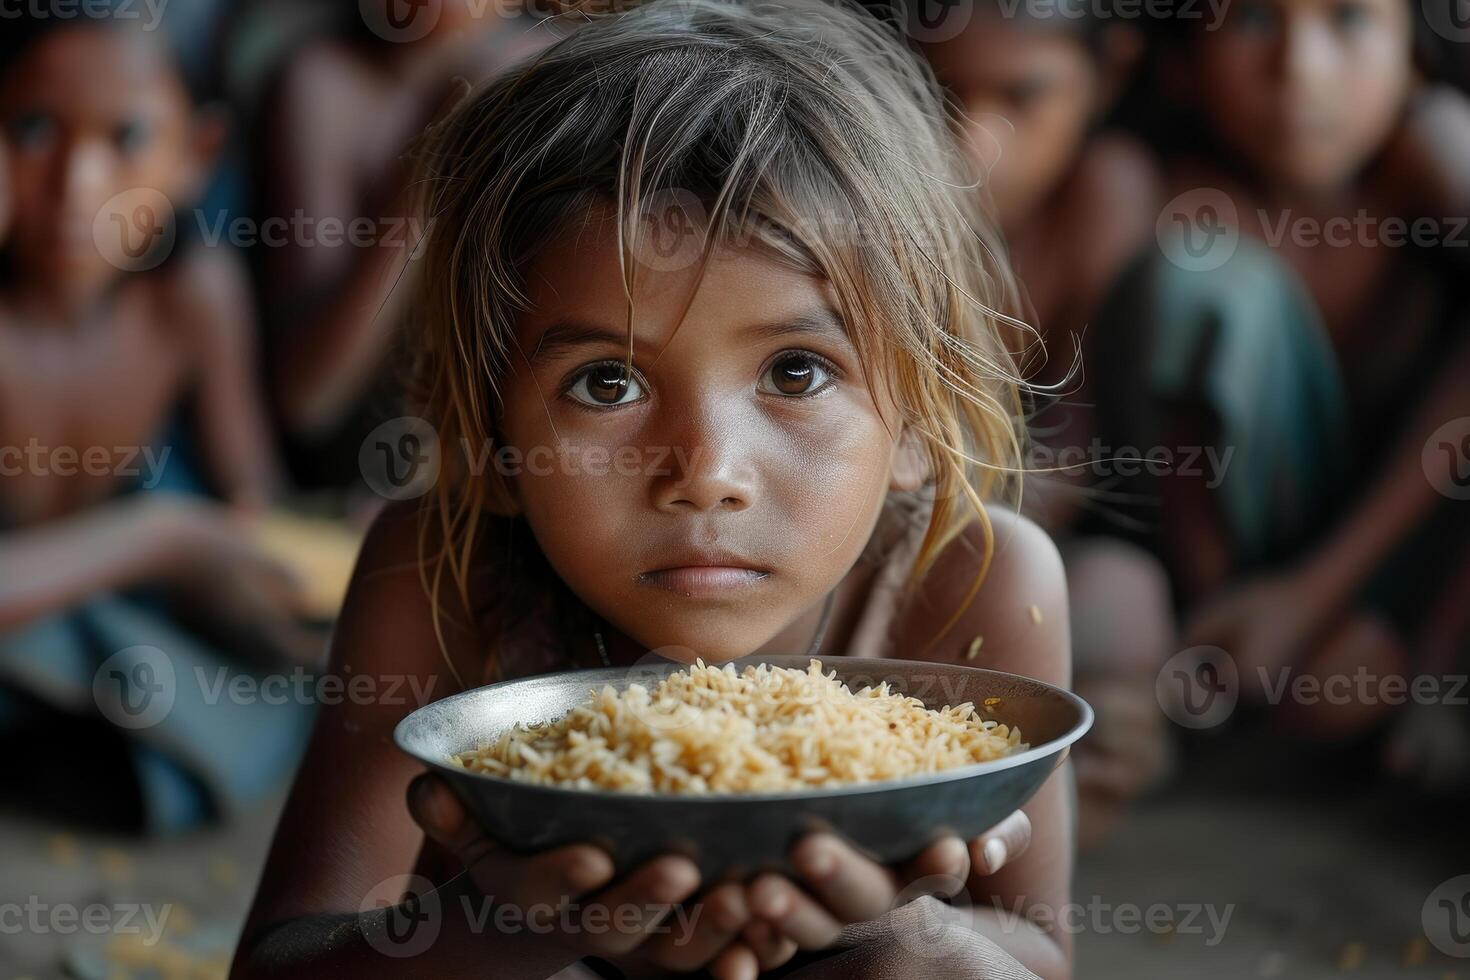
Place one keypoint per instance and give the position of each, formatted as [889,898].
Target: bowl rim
[1035,753]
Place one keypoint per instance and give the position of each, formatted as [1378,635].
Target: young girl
[707,285]
[99,359]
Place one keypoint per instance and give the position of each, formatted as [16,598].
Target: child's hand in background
[583,874]
[215,565]
[839,887]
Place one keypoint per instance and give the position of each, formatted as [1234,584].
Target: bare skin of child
[339,305]
[1325,132]
[95,360]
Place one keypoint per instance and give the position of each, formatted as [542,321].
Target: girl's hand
[843,887]
[583,875]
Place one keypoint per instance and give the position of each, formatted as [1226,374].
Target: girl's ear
[910,471]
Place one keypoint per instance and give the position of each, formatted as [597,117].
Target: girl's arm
[1020,614]
[346,832]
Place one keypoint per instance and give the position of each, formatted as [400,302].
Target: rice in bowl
[710,730]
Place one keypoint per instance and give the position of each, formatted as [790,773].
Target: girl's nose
[708,469]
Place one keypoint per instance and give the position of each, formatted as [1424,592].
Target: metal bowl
[736,835]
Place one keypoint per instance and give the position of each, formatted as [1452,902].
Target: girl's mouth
[704,580]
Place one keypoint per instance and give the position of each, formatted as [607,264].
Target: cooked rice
[765,729]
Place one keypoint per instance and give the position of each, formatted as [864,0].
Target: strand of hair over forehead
[689,68]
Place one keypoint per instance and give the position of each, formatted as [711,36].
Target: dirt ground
[1309,877]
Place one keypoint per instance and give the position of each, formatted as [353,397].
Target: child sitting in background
[335,308]
[105,150]
[1322,351]
[1076,206]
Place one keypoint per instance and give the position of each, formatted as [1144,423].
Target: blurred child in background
[334,308]
[1076,205]
[1322,351]
[126,365]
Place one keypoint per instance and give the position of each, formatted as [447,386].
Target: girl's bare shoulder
[1017,620]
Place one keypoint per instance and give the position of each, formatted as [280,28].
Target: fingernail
[822,863]
[773,905]
[995,855]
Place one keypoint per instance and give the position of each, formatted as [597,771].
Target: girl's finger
[942,868]
[540,883]
[1001,844]
[443,819]
[619,919]
[792,913]
[719,917]
[767,945]
[737,962]
[853,888]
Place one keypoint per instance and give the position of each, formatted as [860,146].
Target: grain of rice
[711,730]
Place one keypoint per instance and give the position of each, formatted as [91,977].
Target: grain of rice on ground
[764,729]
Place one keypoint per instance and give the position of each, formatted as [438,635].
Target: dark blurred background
[1241,227]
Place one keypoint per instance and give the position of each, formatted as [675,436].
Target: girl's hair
[806,128]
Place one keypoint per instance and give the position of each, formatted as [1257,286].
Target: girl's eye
[606,385]
[797,373]
[31,130]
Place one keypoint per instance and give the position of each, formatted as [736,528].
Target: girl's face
[1029,95]
[1305,91]
[89,113]
[723,489]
